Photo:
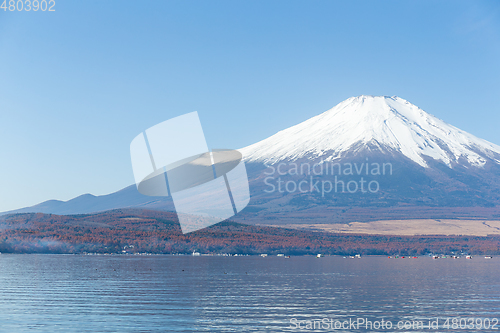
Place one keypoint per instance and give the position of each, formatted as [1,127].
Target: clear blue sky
[77,85]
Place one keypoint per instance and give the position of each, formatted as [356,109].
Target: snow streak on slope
[391,123]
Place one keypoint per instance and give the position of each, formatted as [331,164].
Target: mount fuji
[436,170]
[368,158]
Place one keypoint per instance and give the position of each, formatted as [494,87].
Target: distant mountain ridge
[128,197]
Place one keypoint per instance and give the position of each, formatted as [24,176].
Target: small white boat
[319,255]
[468,257]
[263,255]
[488,257]
[281,255]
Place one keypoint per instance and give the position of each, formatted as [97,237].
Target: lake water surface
[78,293]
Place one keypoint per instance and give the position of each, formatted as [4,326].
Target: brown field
[408,227]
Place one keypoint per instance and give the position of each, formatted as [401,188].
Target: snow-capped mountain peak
[390,122]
